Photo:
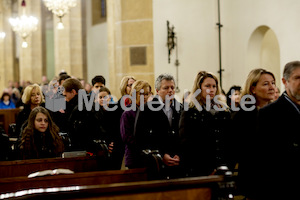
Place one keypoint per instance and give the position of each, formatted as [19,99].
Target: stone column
[31,65]
[7,71]
[130,41]
[68,43]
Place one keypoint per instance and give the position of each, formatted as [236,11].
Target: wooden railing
[25,167]
[90,183]
[14,184]
[201,188]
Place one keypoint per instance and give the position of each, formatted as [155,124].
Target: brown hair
[201,76]
[27,141]
[72,83]
[104,89]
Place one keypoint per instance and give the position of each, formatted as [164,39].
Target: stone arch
[264,52]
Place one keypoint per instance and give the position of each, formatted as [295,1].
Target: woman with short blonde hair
[31,91]
[258,91]
[127,122]
[32,97]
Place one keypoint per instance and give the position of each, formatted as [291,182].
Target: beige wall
[130,25]
[242,19]
[195,25]
[256,33]
[97,48]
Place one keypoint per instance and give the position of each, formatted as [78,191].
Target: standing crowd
[251,129]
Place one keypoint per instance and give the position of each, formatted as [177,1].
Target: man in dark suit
[157,124]
[278,142]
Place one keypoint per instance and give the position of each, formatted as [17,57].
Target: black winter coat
[204,140]
[153,130]
[277,156]
[79,125]
[107,127]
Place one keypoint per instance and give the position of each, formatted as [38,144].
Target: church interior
[140,38]
[118,38]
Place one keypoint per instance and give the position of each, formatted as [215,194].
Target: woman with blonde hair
[258,91]
[142,89]
[126,84]
[40,138]
[260,84]
[125,88]
[32,97]
[204,127]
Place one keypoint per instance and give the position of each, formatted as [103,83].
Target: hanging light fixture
[2,35]
[24,25]
[60,8]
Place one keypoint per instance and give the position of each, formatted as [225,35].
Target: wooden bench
[19,168]
[8,116]
[186,188]
[14,184]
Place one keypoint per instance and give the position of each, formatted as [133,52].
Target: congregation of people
[251,129]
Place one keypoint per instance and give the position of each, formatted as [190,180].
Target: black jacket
[153,130]
[107,128]
[204,140]
[277,144]
[79,125]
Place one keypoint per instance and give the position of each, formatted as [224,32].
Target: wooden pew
[8,116]
[19,168]
[186,188]
[14,184]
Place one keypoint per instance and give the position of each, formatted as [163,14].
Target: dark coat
[78,125]
[277,143]
[127,128]
[153,130]
[23,117]
[203,140]
[38,145]
[243,130]
[107,127]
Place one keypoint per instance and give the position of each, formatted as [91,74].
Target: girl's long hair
[52,129]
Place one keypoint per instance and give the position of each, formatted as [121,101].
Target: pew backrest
[8,116]
[25,167]
[14,184]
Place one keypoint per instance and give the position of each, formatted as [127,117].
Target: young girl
[40,138]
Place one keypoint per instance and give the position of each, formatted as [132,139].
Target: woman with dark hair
[6,102]
[40,138]
[233,98]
